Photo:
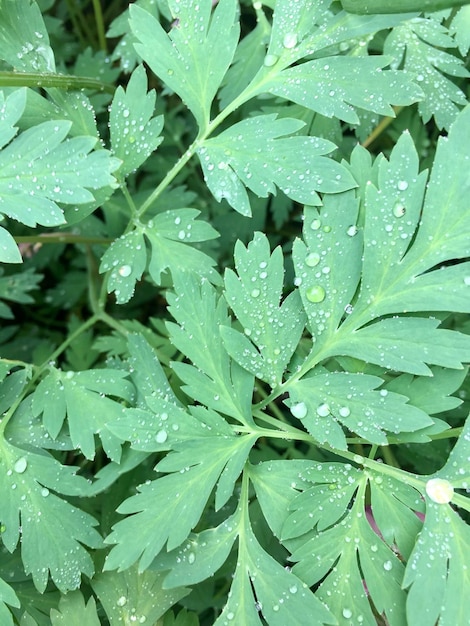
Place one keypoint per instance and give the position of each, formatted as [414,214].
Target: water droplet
[466,280]
[344,411]
[402,185]
[315,225]
[293,589]
[191,558]
[352,230]
[347,613]
[290,40]
[323,410]
[20,465]
[255,293]
[125,271]
[270,60]
[399,210]
[299,410]
[312,259]
[388,566]
[374,547]
[170,72]
[439,490]
[161,436]
[122,601]
[348,309]
[384,393]
[315,294]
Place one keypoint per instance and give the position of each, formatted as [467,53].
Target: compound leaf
[328,401]
[16,287]
[135,134]
[193,57]
[7,596]
[74,612]
[257,154]
[53,532]
[254,297]
[80,396]
[40,168]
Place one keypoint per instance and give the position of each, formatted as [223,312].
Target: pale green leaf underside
[74,612]
[7,596]
[258,154]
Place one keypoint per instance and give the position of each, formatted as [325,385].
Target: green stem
[100,24]
[47,80]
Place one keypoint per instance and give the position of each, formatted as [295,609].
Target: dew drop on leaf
[125,271]
[347,613]
[312,259]
[466,280]
[439,490]
[20,465]
[191,558]
[323,410]
[290,40]
[344,411]
[315,225]
[299,410]
[161,436]
[388,566]
[255,293]
[122,601]
[44,492]
[399,210]
[270,60]
[352,230]
[402,185]
[315,294]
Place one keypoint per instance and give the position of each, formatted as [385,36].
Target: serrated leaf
[437,572]
[335,554]
[159,516]
[213,379]
[328,401]
[9,252]
[11,109]
[457,467]
[133,596]
[53,532]
[74,612]
[420,43]
[192,58]
[431,394]
[24,40]
[257,154]
[332,86]
[460,29]
[134,132]
[80,396]
[40,168]
[254,296]
[168,235]
[7,596]
[15,287]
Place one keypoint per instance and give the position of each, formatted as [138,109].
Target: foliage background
[234,296]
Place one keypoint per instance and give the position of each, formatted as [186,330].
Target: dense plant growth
[234,291]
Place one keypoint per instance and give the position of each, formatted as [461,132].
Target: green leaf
[193,57]
[168,234]
[11,109]
[24,40]
[15,287]
[158,517]
[133,596]
[334,554]
[134,132]
[330,86]
[40,168]
[213,379]
[7,596]
[437,572]
[53,532]
[80,396]
[254,297]
[74,612]
[9,252]
[419,45]
[328,401]
[256,154]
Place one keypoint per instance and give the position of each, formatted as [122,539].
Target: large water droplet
[315,225]
[344,411]
[122,601]
[299,410]
[20,465]
[347,613]
[399,210]
[352,230]
[125,271]
[255,293]
[439,490]
[161,436]
[323,410]
[312,259]
[388,566]
[290,40]
[315,294]
[270,60]
[402,185]
[191,558]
